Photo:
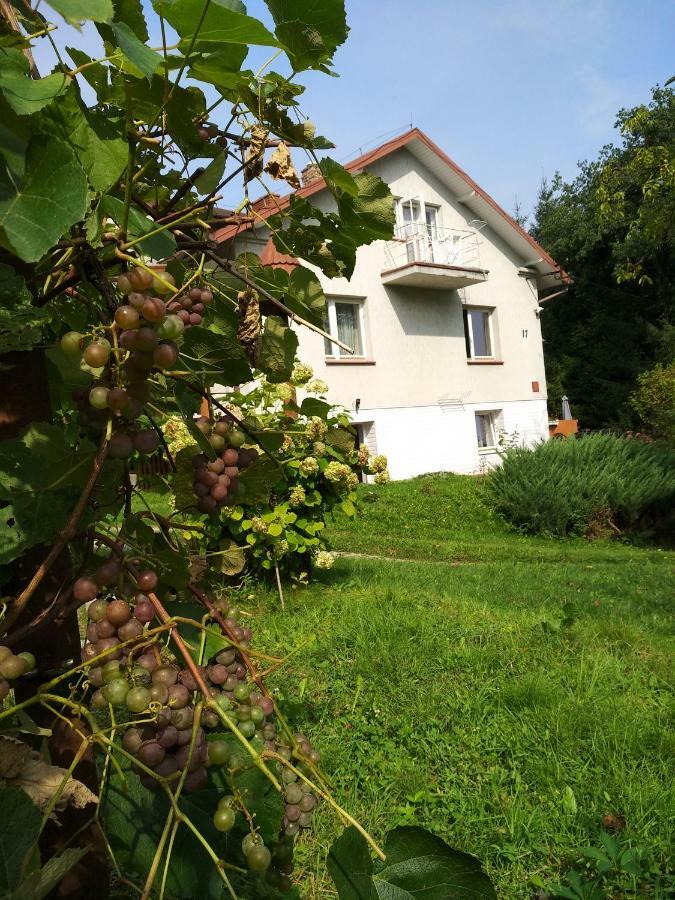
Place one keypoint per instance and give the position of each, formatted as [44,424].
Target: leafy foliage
[611,230]
[416,863]
[572,485]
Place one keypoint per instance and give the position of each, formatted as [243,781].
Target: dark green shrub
[566,486]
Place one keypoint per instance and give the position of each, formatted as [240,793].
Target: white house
[444,319]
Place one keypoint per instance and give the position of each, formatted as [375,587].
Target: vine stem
[344,815]
[66,535]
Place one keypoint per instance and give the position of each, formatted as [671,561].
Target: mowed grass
[437,698]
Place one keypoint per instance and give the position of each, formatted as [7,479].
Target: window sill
[349,362]
[485,362]
[486,450]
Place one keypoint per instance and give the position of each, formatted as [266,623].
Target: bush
[654,401]
[566,486]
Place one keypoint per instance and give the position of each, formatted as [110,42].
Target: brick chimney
[310,174]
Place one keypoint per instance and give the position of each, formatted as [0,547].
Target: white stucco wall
[415,383]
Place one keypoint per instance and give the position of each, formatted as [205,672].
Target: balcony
[427,256]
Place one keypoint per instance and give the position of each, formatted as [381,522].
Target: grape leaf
[277,351]
[310,31]
[14,136]
[53,197]
[19,830]
[211,177]
[24,94]
[40,883]
[75,11]
[258,479]
[417,864]
[20,322]
[214,358]
[225,22]
[231,558]
[158,246]
[338,177]
[142,57]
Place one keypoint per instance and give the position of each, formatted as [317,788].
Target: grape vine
[123,320]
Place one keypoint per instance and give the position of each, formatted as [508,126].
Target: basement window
[485,430]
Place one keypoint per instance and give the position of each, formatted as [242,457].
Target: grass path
[437,697]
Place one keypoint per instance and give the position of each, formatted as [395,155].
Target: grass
[437,697]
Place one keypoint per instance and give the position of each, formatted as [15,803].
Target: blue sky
[510,90]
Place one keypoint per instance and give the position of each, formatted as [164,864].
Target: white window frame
[336,352]
[419,219]
[489,314]
[492,415]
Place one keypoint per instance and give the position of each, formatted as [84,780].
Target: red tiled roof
[270,256]
[279,203]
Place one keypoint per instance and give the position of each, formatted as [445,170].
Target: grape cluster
[13,666]
[189,307]
[145,336]
[139,679]
[216,481]
[211,132]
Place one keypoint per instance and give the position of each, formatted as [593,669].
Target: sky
[511,90]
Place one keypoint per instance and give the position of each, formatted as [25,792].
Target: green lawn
[437,698]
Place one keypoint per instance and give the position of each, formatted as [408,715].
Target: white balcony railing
[416,243]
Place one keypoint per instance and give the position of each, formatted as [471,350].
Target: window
[345,322]
[478,333]
[414,222]
[485,429]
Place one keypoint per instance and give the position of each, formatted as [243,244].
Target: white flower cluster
[317,386]
[363,455]
[316,428]
[177,435]
[301,373]
[309,466]
[378,463]
[319,448]
[287,443]
[324,560]
[297,496]
[341,476]
[258,525]
[382,477]
[284,392]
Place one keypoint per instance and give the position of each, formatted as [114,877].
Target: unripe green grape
[217,442]
[224,702]
[236,438]
[219,752]
[258,858]
[257,715]
[98,397]
[110,671]
[247,729]
[166,285]
[294,793]
[5,653]
[138,699]
[97,609]
[171,328]
[71,343]
[29,658]
[241,692]
[224,818]
[116,691]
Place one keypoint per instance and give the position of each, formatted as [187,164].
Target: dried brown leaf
[280,166]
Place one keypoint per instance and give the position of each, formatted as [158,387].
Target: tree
[118,312]
[611,229]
